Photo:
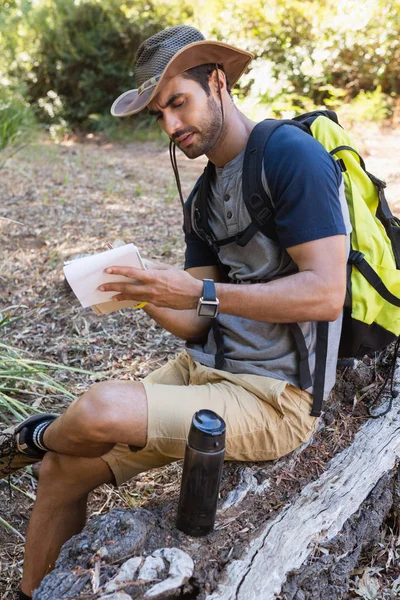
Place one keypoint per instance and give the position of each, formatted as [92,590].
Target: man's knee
[72,475]
[100,411]
[55,467]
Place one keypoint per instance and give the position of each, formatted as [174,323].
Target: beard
[210,131]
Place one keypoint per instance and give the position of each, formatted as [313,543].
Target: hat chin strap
[220,99]
[174,162]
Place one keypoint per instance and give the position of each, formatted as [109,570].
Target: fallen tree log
[306,533]
[317,516]
[326,574]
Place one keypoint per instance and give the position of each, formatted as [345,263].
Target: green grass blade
[17,390]
[4,418]
[29,495]
[12,410]
[53,366]
[48,383]
[21,406]
[11,528]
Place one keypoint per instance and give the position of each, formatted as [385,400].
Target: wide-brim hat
[171,52]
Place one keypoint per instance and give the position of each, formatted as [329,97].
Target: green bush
[17,124]
[76,56]
[84,59]
[305,50]
[371,107]
[365,54]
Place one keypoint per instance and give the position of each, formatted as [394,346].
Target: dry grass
[72,199]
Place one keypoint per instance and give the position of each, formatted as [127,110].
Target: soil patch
[74,198]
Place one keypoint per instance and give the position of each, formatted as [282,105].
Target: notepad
[86,274]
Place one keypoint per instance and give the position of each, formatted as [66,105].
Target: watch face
[208,309]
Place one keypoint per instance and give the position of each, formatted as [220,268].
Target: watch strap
[209,292]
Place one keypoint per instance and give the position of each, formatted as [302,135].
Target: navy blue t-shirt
[303,181]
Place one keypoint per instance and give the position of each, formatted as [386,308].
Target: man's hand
[169,288]
[153,264]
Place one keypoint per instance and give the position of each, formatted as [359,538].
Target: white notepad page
[85,275]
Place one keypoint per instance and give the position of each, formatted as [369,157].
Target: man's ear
[216,75]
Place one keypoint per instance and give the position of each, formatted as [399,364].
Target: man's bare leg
[59,511]
[108,413]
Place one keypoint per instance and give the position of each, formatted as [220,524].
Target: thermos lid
[207,432]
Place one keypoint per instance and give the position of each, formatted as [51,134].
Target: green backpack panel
[371,318]
[370,304]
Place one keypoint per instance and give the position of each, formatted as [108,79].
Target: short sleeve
[303,181]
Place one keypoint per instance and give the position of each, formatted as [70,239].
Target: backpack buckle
[355,257]
[262,212]
[378,182]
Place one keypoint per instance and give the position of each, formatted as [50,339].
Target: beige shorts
[265,418]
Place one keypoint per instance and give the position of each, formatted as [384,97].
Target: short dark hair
[202,74]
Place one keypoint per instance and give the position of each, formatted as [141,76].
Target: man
[119,428]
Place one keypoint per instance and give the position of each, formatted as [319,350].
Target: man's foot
[17,446]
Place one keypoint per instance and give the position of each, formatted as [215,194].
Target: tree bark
[317,516]
[305,551]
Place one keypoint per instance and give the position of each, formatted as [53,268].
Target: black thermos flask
[202,469]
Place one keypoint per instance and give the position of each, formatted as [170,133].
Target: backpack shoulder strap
[389,221]
[261,209]
[200,213]
[190,198]
[256,199]
[308,118]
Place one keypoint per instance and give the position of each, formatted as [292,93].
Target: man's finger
[131,272]
[122,287]
[120,297]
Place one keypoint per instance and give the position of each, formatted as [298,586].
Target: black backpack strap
[389,221]
[309,118]
[383,212]
[357,259]
[393,393]
[256,199]
[201,215]
[219,358]
[321,353]
[304,367]
[201,208]
[190,198]
[241,238]
[261,210]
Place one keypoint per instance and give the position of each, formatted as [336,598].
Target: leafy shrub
[16,124]
[84,59]
[371,107]
[78,55]
[305,50]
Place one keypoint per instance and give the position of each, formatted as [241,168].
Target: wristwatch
[208,303]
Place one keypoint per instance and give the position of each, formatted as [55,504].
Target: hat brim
[234,61]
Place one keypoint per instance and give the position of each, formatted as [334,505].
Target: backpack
[371,315]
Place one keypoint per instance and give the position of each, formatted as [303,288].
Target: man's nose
[172,124]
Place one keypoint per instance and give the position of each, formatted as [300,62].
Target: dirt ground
[72,199]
